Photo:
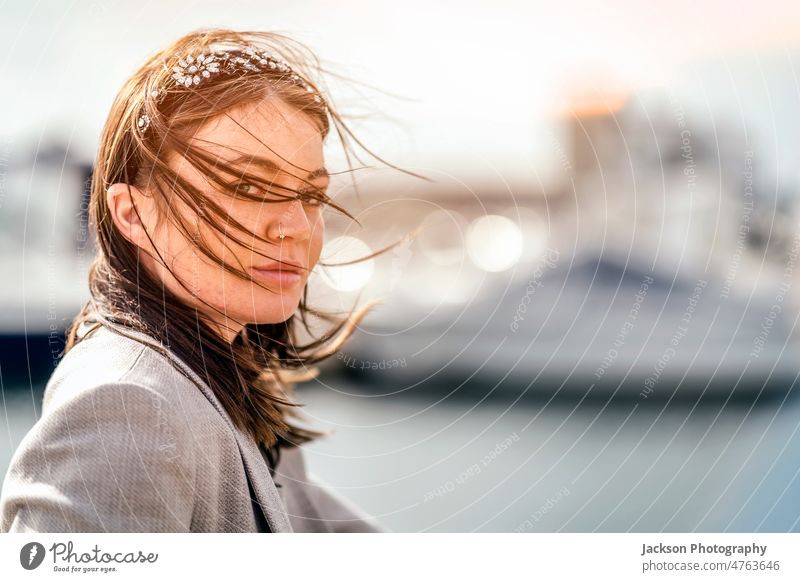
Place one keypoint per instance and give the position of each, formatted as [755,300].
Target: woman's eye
[243,188]
[310,200]
[305,197]
[249,189]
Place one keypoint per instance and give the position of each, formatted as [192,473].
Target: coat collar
[255,466]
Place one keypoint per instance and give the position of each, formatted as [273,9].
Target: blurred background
[594,329]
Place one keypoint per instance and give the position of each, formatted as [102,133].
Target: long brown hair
[254,376]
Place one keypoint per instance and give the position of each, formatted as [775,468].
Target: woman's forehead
[270,137]
[259,127]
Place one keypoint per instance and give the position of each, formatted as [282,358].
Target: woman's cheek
[317,241]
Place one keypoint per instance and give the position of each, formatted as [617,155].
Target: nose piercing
[280,231]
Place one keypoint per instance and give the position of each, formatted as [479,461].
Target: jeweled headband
[191,70]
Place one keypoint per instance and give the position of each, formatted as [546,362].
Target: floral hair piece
[191,70]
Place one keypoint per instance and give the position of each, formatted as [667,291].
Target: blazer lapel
[255,467]
[264,487]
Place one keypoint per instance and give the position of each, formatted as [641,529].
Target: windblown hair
[254,376]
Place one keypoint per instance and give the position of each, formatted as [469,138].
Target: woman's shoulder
[108,358]
[114,450]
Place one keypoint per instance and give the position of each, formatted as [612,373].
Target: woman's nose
[291,221]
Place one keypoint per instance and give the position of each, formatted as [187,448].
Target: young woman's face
[297,151]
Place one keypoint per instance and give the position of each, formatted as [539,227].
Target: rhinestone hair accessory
[280,231]
[192,69]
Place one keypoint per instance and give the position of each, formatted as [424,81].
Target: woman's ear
[121,199]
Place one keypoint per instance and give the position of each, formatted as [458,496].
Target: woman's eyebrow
[271,166]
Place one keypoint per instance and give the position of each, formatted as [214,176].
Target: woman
[171,409]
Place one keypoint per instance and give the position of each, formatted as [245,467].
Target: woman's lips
[280,277]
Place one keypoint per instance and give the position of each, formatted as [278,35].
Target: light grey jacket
[126,443]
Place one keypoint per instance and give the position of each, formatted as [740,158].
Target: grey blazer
[126,443]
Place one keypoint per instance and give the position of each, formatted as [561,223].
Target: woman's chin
[276,314]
